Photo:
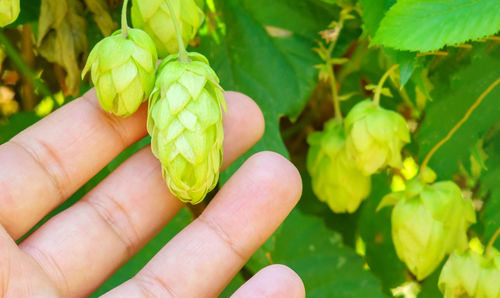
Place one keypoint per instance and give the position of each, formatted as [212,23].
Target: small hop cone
[470,274]
[9,11]
[185,123]
[123,71]
[375,137]
[153,16]
[335,178]
[429,222]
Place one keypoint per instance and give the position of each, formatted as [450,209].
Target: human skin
[80,248]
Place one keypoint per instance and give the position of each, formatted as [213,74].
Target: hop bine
[375,136]
[429,222]
[123,71]
[185,123]
[9,11]
[470,274]
[335,178]
[154,17]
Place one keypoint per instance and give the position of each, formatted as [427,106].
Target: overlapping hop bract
[153,16]
[470,274]
[335,178]
[9,11]
[185,123]
[375,136]
[123,71]
[429,222]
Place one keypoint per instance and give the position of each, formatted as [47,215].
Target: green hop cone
[154,17]
[429,222]
[185,123]
[335,178]
[123,71]
[9,11]
[470,274]
[375,136]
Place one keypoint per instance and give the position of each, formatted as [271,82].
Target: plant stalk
[492,241]
[378,90]
[28,90]
[21,65]
[335,95]
[183,54]
[124,19]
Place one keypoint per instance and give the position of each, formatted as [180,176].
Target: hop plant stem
[124,19]
[378,90]
[330,63]
[492,241]
[183,55]
[335,95]
[458,125]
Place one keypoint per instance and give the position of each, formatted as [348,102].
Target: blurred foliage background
[266,50]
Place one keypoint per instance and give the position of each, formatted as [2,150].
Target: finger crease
[51,268]
[146,278]
[127,239]
[52,157]
[222,234]
[113,122]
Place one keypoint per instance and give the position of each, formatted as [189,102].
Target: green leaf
[30,9]
[267,54]
[15,124]
[233,286]
[373,12]
[326,266]
[407,64]
[375,230]
[490,217]
[430,285]
[428,25]
[450,105]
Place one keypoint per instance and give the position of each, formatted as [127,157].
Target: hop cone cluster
[123,71]
[9,11]
[185,123]
[429,222]
[154,17]
[470,274]
[335,178]
[375,136]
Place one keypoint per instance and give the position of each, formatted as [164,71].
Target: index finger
[46,163]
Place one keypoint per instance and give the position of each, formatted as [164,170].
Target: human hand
[78,249]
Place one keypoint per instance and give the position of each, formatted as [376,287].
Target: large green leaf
[451,101]
[30,10]
[429,287]
[266,52]
[490,217]
[234,285]
[373,12]
[375,230]
[317,254]
[15,124]
[428,25]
